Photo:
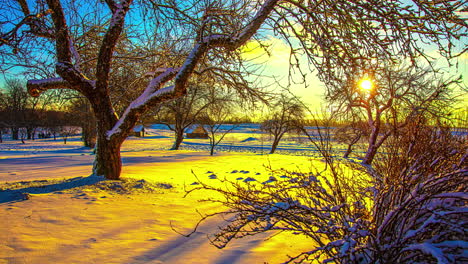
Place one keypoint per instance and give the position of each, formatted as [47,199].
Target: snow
[89,220]
[46,81]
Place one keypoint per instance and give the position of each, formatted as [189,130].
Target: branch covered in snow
[119,11]
[36,87]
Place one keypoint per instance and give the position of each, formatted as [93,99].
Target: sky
[277,66]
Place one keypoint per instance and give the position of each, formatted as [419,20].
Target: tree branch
[36,87]
[109,42]
[154,95]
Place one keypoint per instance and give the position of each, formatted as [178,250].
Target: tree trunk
[88,134]
[88,128]
[372,148]
[274,145]
[350,146]
[107,162]
[348,151]
[370,154]
[14,133]
[212,147]
[179,137]
[29,133]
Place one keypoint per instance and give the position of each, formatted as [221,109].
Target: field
[54,212]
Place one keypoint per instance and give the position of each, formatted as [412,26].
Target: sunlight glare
[366,84]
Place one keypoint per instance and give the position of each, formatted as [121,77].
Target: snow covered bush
[409,207]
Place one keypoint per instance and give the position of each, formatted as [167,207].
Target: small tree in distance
[181,113]
[67,131]
[215,116]
[286,115]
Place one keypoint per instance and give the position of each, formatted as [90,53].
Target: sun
[366,84]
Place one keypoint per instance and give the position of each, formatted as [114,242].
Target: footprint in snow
[270,180]
[213,176]
[194,183]
[240,178]
[234,171]
[249,179]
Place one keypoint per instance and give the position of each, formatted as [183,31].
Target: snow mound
[17,191]
[128,186]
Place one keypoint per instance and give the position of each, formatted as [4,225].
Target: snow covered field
[132,222]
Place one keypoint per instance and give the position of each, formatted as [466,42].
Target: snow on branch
[152,95]
[119,11]
[36,87]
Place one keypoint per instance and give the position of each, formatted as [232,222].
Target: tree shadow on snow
[14,195]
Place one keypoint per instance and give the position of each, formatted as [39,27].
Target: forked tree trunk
[348,151]
[108,162]
[212,147]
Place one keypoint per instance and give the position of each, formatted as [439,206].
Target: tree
[285,115]
[395,95]
[112,131]
[350,134]
[3,115]
[181,113]
[330,34]
[16,104]
[82,114]
[67,131]
[215,115]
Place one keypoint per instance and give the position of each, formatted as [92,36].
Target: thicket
[408,207]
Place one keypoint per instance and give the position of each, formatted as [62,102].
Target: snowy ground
[86,220]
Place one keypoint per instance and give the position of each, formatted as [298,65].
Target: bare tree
[184,112]
[215,116]
[286,115]
[209,37]
[350,134]
[67,131]
[82,114]
[16,103]
[330,34]
[395,95]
